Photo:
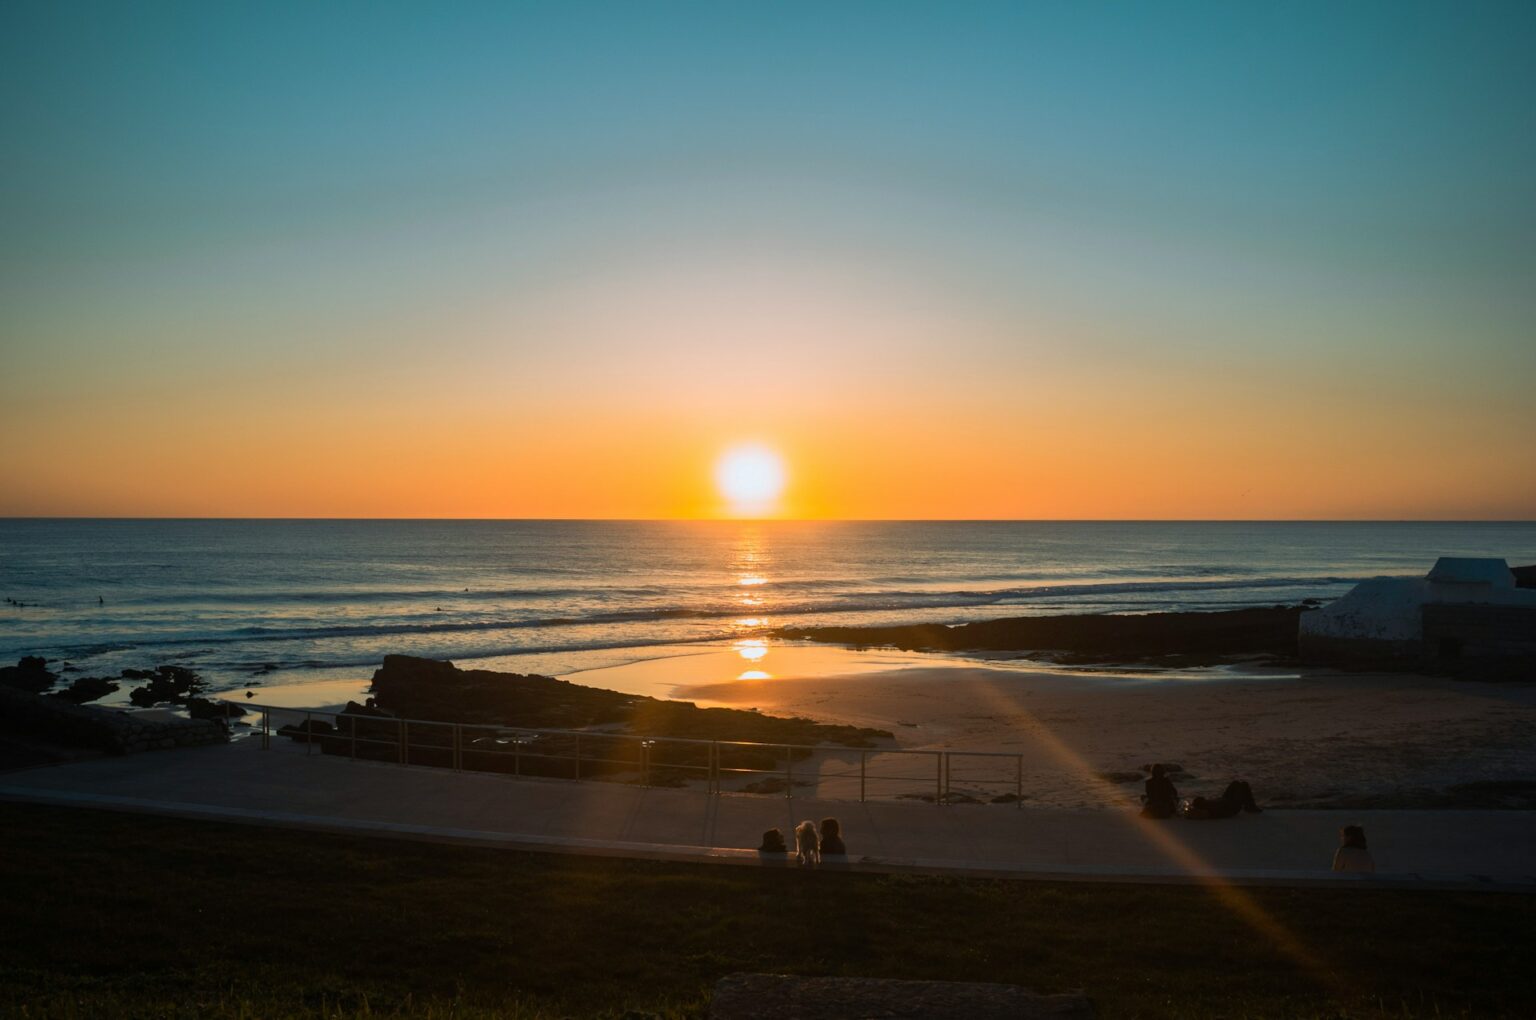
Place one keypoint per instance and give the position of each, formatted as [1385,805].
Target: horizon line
[793,520]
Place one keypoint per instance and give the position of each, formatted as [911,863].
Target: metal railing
[723,766]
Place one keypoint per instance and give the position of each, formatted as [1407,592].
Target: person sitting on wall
[1238,796]
[773,843]
[832,837]
[1352,854]
[1162,798]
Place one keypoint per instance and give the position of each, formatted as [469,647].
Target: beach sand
[1302,739]
[1309,738]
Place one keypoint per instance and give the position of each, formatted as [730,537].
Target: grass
[105,915]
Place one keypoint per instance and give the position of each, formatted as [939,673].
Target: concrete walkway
[284,786]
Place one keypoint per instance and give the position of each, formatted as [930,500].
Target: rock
[203,708]
[774,996]
[1100,637]
[416,688]
[956,797]
[307,732]
[86,688]
[30,674]
[172,684]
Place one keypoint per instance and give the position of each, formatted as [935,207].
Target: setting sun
[750,478]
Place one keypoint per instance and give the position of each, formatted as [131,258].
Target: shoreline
[1303,739]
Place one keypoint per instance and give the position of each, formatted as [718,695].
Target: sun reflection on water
[752,649]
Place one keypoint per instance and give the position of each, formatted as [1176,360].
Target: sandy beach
[1315,739]
[1319,739]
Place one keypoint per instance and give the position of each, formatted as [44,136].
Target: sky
[1021,260]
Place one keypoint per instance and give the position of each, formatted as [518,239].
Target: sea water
[319,599]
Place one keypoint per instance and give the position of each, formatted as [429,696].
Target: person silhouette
[1238,796]
[832,837]
[1352,854]
[1162,797]
[773,843]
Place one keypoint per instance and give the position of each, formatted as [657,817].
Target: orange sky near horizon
[1233,454]
[1018,262]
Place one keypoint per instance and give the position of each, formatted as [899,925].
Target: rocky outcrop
[426,712]
[1192,637]
[30,674]
[416,688]
[167,685]
[86,688]
[202,708]
[102,729]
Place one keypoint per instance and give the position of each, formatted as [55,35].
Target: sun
[750,477]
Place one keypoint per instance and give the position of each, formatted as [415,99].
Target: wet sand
[1312,738]
[1316,739]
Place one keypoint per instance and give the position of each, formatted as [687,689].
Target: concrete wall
[1385,617]
[1456,631]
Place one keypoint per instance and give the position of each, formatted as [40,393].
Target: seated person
[1238,796]
[1162,798]
[773,843]
[832,837]
[1352,854]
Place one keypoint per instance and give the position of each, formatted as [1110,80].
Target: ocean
[297,600]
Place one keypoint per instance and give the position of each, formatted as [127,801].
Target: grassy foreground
[105,914]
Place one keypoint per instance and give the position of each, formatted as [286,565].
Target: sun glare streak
[1233,897]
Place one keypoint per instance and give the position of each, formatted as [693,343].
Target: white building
[1462,606]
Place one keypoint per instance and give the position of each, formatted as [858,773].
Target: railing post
[402,741]
[789,771]
[863,773]
[645,763]
[713,758]
[938,778]
[353,720]
[517,756]
[578,756]
[309,736]
[458,750]
[1018,791]
[266,729]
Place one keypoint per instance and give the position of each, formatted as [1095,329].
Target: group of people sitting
[1162,800]
[810,845]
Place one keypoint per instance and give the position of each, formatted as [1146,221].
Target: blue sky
[1229,189]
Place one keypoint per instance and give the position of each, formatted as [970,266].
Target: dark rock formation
[103,729]
[425,712]
[203,708]
[29,674]
[416,688]
[1191,637]
[1525,577]
[86,688]
[167,684]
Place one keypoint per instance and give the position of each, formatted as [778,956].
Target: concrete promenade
[283,786]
